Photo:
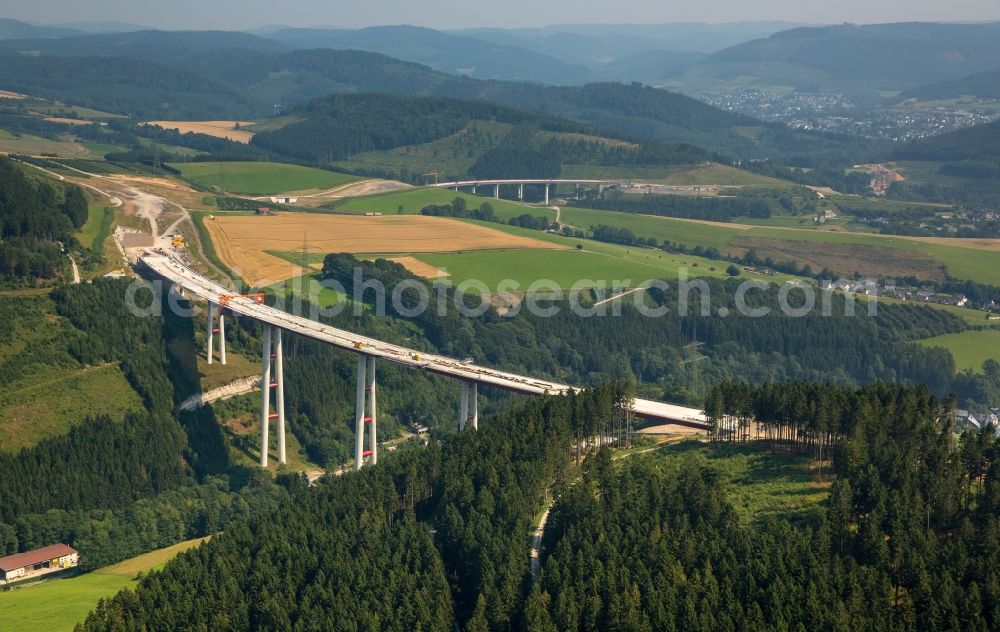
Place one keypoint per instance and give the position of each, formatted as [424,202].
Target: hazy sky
[242,14]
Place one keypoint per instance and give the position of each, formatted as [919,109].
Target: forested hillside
[495,141]
[114,488]
[856,57]
[217,82]
[436,538]
[122,85]
[35,214]
[982,85]
[427,538]
[908,539]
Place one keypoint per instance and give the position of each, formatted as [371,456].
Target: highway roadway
[193,283]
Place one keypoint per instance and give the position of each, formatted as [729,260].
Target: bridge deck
[176,273]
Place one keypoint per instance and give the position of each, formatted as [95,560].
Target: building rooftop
[20,560]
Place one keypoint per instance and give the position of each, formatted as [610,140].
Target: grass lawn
[412,200]
[760,483]
[262,178]
[60,604]
[970,348]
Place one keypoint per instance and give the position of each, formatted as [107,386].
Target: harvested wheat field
[219,129]
[419,268]
[244,241]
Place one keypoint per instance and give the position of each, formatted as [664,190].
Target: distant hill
[456,137]
[445,52]
[601,43]
[10,29]
[154,46]
[212,83]
[982,85]
[978,143]
[851,57]
[124,86]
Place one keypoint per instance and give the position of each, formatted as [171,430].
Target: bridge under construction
[274,321]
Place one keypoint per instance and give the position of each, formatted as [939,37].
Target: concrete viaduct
[474,184]
[368,350]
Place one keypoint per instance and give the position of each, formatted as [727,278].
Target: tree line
[35,214]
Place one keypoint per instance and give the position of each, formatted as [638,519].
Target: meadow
[262,178]
[97,228]
[970,348]
[59,604]
[49,403]
[593,260]
[959,257]
[760,484]
[413,200]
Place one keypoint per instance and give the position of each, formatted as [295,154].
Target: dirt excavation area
[248,244]
[353,189]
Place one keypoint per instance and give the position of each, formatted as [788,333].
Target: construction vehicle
[359,345]
[258,297]
[178,241]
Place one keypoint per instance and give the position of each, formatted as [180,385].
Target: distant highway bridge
[469,375]
[548,183]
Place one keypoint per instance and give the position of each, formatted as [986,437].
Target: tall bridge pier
[365,413]
[273,351]
[213,312]
[276,322]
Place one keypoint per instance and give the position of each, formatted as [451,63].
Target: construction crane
[432,173]
[258,297]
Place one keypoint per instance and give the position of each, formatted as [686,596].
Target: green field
[46,390]
[982,266]
[261,178]
[412,200]
[596,261]
[59,604]
[760,483]
[97,228]
[970,348]
[50,403]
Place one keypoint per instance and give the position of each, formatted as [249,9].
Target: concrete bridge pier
[546,195]
[272,352]
[364,412]
[496,191]
[214,312]
[520,193]
[473,189]
[222,335]
[469,411]
[210,334]
[279,393]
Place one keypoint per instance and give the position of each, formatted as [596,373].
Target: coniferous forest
[436,538]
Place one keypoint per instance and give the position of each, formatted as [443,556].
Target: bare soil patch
[843,259]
